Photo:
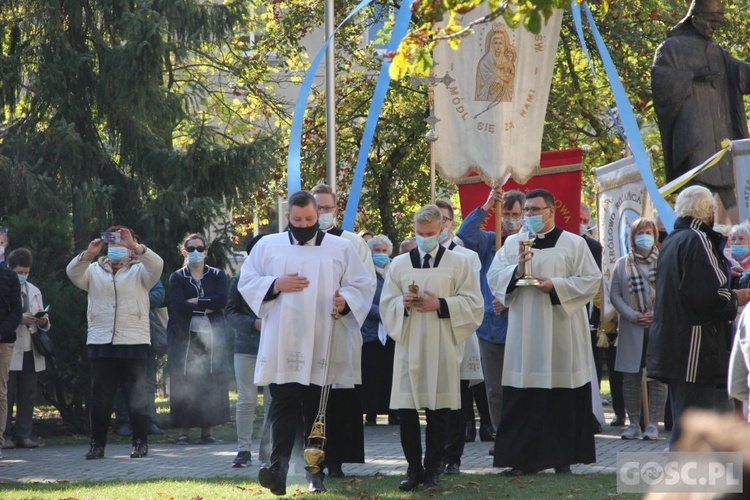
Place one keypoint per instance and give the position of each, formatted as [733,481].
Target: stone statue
[697,90]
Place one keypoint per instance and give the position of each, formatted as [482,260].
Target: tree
[106,119]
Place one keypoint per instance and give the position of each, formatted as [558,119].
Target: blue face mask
[644,241]
[443,234]
[22,279]
[535,222]
[426,244]
[739,251]
[117,254]
[380,259]
[325,220]
[195,258]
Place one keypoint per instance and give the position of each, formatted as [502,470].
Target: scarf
[642,286]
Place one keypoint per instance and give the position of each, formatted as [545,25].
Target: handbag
[43,343]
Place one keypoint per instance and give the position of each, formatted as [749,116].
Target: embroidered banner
[491,117]
[622,198]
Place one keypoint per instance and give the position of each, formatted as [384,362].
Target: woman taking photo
[632,295]
[197,360]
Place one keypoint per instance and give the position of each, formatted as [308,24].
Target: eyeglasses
[534,210]
[446,219]
[191,248]
[326,208]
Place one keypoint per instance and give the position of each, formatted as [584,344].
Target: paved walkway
[383,455]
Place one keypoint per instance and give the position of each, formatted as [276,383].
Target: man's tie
[426,261]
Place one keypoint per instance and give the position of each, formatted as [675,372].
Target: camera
[110,237]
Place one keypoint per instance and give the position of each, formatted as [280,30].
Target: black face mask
[304,234]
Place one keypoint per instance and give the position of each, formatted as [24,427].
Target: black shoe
[334,470]
[412,481]
[140,449]
[271,480]
[241,460]
[486,433]
[471,432]
[597,427]
[316,483]
[431,482]
[514,472]
[124,430]
[492,451]
[154,429]
[95,452]
[618,421]
[565,469]
[452,469]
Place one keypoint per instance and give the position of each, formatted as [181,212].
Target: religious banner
[622,198]
[559,172]
[741,160]
[491,117]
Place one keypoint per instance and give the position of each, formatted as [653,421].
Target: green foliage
[100,125]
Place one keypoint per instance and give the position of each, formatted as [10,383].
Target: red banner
[559,173]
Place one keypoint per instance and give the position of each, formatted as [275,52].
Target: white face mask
[584,229]
[325,220]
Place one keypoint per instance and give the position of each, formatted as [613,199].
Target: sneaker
[27,443]
[632,432]
[651,432]
[95,452]
[241,460]
[140,449]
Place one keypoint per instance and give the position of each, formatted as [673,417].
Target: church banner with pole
[559,172]
[741,161]
[491,117]
[622,198]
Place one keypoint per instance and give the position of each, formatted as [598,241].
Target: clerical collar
[543,235]
[449,244]
[549,240]
[334,231]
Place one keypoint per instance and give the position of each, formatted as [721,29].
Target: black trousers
[293,405]
[455,435]
[411,438]
[107,374]
[476,393]
[615,381]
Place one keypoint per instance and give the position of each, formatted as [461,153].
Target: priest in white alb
[294,280]
[430,304]
[547,417]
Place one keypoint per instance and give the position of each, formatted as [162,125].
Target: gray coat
[629,334]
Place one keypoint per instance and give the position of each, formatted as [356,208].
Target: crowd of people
[322,315]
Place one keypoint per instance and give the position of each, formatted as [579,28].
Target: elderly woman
[377,348]
[632,294]
[197,362]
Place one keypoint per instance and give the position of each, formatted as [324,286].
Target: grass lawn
[467,486]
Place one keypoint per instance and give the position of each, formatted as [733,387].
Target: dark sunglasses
[191,248]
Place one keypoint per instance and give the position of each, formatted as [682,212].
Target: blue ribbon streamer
[627,117]
[376,106]
[293,175]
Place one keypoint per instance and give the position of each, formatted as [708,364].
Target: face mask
[325,220]
[195,258]
[380,259]
[535,222]
[22,279]
[739,251]
[426,244]
[304,234]
[644,241]
[584,229]
[512,225]
[117,254]
[443,234]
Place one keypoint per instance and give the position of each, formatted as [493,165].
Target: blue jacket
[494,327]
[370,326]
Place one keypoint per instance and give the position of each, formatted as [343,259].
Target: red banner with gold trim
[559,173]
